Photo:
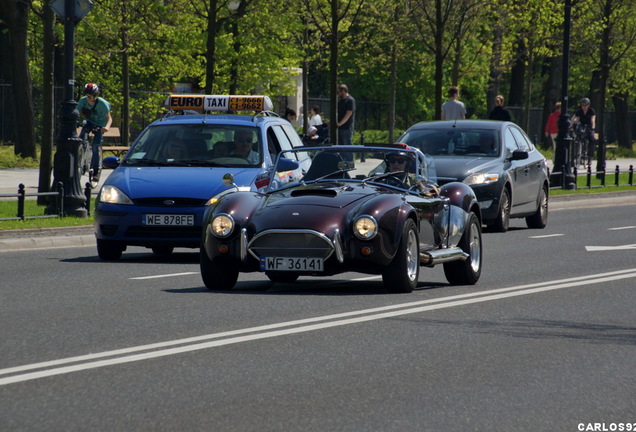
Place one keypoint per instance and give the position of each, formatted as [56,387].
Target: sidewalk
[11,178]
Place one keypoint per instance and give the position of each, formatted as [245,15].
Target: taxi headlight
[481,178]
[222,225]
[112,195]
[365,227]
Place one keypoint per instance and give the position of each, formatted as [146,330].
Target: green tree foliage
[403,54]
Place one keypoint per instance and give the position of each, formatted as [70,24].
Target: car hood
[318,195]
[192,182]
[458,167]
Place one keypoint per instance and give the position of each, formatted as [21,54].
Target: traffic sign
[82,7]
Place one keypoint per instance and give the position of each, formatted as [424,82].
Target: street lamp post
[65,162]
[562,160]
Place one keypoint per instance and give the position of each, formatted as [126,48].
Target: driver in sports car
[402,163]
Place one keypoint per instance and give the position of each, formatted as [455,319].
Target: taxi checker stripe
[371,315]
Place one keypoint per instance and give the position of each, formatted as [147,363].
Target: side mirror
[111,162]
[285,164]
[228,179]
[519,155]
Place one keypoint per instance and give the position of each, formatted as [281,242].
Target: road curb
[66,241]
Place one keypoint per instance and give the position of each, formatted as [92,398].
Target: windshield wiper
[146,162]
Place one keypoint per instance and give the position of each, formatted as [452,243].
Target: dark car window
[462,142]
[522,141]
[292,135]
[509,142]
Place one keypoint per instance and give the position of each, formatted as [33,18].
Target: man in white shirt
[453,109]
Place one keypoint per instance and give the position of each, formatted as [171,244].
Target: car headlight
[481,178]
[112,195]
[222,225]
[365,227]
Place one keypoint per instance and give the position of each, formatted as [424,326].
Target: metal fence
[369,115]
[565,180]
[22,195]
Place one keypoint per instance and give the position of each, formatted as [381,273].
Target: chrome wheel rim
[475,247]
[411,256]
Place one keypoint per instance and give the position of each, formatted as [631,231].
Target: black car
[497,159]
[330,210]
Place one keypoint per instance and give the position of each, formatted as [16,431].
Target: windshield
[396,166]
[197,145]
[454,142]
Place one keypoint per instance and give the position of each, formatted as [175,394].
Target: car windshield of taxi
[198,145]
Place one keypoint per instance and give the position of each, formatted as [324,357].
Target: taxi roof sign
[203,103]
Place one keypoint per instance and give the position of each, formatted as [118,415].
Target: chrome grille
[290,243]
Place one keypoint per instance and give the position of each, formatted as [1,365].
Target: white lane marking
[164,275]
[621,228]
[303,325]
[609,248]
[546,236]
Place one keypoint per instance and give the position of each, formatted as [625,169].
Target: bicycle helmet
[585,101]
[91,89]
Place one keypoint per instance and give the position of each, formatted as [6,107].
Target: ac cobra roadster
[335,209]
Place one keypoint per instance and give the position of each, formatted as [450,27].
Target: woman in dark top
[499,112]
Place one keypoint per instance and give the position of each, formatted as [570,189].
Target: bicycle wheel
[82,166]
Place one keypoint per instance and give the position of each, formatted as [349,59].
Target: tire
[467,272]
[81,160]
[540,218]
[503,216]
[402,274]
[219,274]
[109,250]
[281,277]
[162,250]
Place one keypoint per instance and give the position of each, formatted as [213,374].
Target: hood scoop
[330,193]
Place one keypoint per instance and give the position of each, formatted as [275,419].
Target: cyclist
[586,116]
[96,111]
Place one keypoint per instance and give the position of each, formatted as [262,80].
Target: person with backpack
[96,112]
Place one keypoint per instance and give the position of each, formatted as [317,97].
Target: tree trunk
[48,110]
[125,73]
[210,54]
[517,77]
[551,92]
[17,14]
[333,76]
[623,124]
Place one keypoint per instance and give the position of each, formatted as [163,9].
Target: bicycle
[85,154]
[580,145]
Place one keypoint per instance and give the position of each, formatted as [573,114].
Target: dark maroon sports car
[335,209]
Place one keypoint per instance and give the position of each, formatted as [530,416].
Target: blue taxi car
[156,196]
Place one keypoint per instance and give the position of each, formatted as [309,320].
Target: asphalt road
[546,341]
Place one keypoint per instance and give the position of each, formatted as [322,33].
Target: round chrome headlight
[365,227]
[222,225]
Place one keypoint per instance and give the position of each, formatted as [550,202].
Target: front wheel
[467,272]
[503,216]
[540,218]
[402,274]
[219,274]
[109,250]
